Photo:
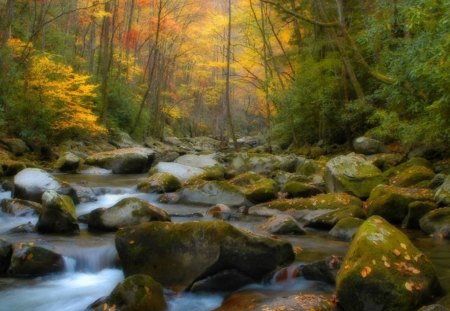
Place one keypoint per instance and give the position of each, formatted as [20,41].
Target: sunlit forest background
[300,71]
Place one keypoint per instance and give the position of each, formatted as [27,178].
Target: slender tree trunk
[5,31]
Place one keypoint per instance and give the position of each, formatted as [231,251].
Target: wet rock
[211,193]
[346,228]
[282,224]
[366,145]
[435,307]
[31,183]
[21,208]
[29,260]
[258,302]
[180,171]
[135,293]
[6,185]
[68,162]
[256,188]
[224,281]
[220,211]
[176,255]
[127,212]
[323,270]
[6,249]
[442,195]
[160,183]
[385,161]
[124,161]
[84,194]
[204,144]
[437,222]
[330,219]
[92,170]
[416,210]
[123,140]
[352,173]
[199,161]
[263,164]
[411,176]
[170,198]
[58,215]
[25,228]
[296,189]
[391,202]
[383,270]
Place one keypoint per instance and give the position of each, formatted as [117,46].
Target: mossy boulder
[68,162]
[282,224]
[411,176]
[383,270]
[258,301]
[58,215]
[219,211]
[127,212]
[442,195]
[160,183]
[346,228]
[31,183]
[135,293]
[437,222]
[176,255]
[200,161]
[224,281]
[328,220]
[123,161]
[30,260]
[256,188]
[6,250]
[391,202]
[15,145]
[385,161]
[309,167]
[180,171]
[323,270]
[212,192]
[367,145]
[295,189]
[322,202]
[20,208]
[262,163]
[416,210]
[353,174]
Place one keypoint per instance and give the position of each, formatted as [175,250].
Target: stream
[92,270]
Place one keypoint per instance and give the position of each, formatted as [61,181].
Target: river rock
[220,211]
[385,161]
[180,171]
[383,270]
[58,215]
[21,208]
[257,301]
[416,210]
[68,162]
[256,188]
[211,193]
[434,307]
[412,176]
[367,145]
[352,173]
[346,228]
[204,144]
[160,183]
[391,202]
[442,195]
[262,163]
[328,220]
[15,145]
[124,161]
[24,228]
[29,260]
[323,270]
[224,281]
[135,293]
[199,161]
[176,255]
[31,183]
[295,189]
[282,224]
[6,249]
[306,208]
[127,212]
[437,222]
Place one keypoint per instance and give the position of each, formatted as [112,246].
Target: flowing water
[92,270]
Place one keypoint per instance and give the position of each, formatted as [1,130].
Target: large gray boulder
[31,183]
[68,162]
[180,171]
[366,145]
[124,161]
[127,212]
[442,195]
[437,222]
[211,193]
[352,173]
[200,161]
[262,163]
[176,255]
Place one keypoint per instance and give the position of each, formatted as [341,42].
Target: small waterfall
[91,259]
[287,275]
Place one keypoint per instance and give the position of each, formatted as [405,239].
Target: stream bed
[92,268]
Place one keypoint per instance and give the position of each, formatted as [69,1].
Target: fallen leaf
[387,264]
[409,286]
[396,252]
[366,271]
[403,245]
[407,257]
[131,242]
[374,262]
[383,258]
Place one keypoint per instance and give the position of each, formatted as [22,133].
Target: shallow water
[92,267]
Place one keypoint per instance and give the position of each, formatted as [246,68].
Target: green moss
[296,189]
[160,183]
[436,221]
[255,187]
[384,270]
[328,220]
[411,176]
[416,210]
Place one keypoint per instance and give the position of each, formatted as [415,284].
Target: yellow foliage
[68,94]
